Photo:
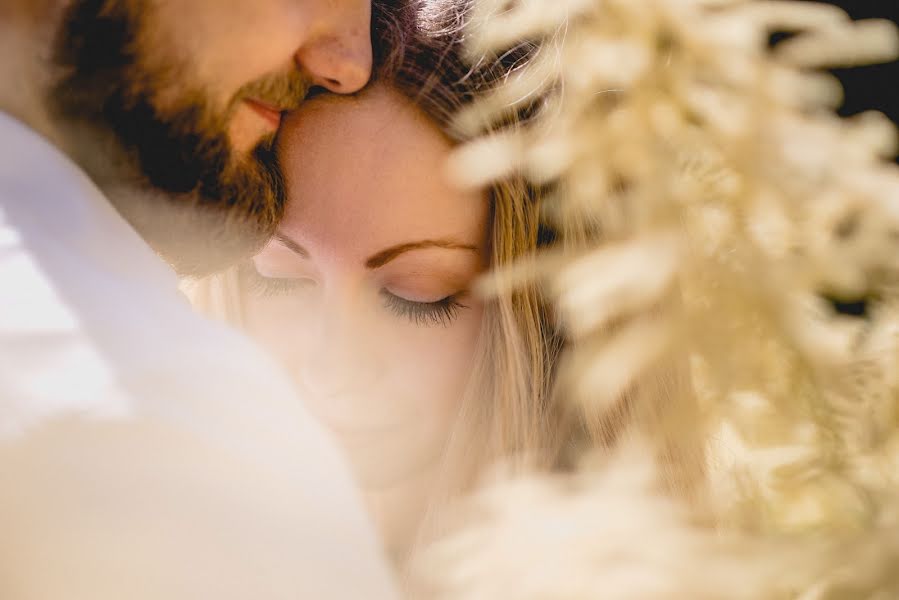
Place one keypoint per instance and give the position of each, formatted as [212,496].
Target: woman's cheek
[447,362]
[279,326]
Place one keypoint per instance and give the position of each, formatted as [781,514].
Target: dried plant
[711,207]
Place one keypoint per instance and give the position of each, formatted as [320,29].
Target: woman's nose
[341,353]
[339,58]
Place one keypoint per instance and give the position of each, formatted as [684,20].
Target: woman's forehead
[378,112]
[370,170]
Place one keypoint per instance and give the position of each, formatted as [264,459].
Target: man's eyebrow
[385,256]
[291,245]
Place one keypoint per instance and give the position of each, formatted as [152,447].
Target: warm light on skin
[247,128]
[327,40]
[364,181]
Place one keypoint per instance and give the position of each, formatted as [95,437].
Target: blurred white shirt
[146,452]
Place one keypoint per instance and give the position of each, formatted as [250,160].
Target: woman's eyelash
[442,312]
[270,286]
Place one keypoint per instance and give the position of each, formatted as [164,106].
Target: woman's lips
[268,112]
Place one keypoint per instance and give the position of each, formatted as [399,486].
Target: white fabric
[144,451]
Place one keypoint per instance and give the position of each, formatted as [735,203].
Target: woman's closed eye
[440,312]
[273,286]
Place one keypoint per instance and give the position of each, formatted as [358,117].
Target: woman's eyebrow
[385,256]
[291,245]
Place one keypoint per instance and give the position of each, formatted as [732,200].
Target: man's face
[193,90]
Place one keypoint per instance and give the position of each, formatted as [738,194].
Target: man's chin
[216,226]
[195,238]
[202,198]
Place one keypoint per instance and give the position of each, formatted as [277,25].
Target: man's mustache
[281,91]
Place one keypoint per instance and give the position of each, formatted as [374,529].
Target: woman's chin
[377,471]
[383,465]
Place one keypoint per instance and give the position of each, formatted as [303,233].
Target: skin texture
[192,95]
[234,493]
[364,175]
[327,41]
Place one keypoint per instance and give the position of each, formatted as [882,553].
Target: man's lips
[270,113]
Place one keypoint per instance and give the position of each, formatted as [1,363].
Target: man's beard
[216,206]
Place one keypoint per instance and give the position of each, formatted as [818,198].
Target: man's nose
[339,58]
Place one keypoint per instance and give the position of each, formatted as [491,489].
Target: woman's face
[362,293]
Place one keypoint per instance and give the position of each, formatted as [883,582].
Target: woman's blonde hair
[506,412]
